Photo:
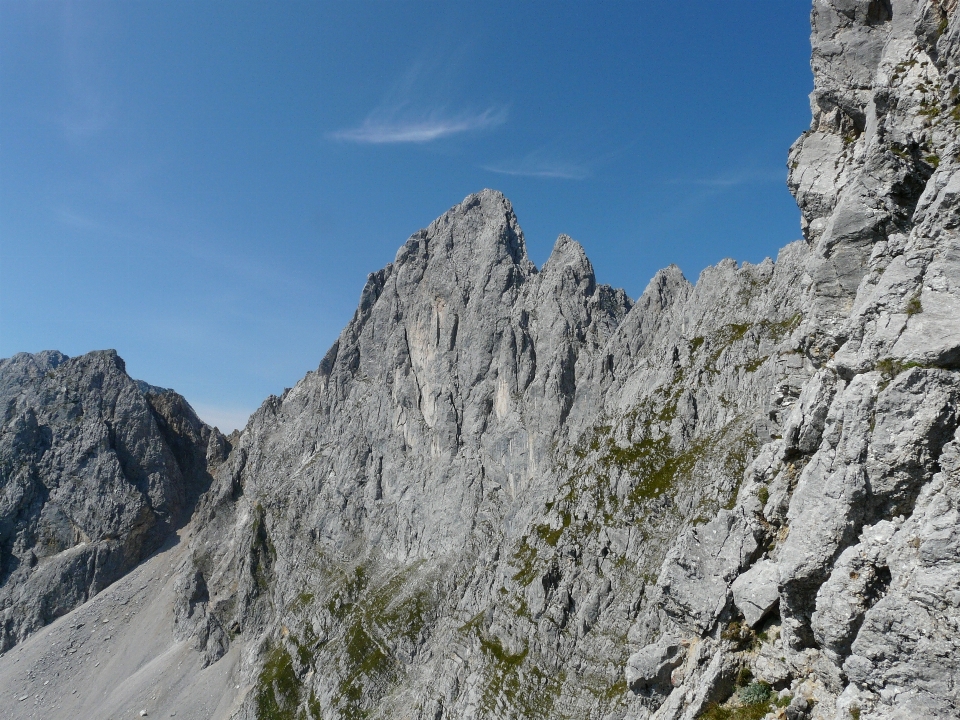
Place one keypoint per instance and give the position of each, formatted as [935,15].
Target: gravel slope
[116,656]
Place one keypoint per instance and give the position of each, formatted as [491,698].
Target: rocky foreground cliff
[512,492]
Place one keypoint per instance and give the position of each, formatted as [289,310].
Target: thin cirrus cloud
[560,172]
[541,163]
[378,129]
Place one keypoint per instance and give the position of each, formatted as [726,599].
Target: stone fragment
[649,670]
[696,575]
[755,591]
[798,708]
[770,666]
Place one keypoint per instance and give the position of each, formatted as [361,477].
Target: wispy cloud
[544,162]
[562,172]
[422,106]
[570,158]
[381,128]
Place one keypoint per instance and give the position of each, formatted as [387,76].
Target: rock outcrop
[859,479]
[511,492]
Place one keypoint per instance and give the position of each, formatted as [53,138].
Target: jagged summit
[568,257]
[474,238]
[483,231]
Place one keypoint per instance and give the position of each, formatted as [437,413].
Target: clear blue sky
[204,186]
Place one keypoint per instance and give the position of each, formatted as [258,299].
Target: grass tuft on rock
[278,689]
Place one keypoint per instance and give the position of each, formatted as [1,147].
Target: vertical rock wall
[849,514]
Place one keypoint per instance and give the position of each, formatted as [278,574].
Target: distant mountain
[97,470]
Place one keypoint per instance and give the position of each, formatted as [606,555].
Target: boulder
[755,592]
[649,670]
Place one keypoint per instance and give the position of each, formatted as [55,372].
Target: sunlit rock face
[473,493]
[512,492]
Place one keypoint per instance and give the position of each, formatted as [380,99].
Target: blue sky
[204,186]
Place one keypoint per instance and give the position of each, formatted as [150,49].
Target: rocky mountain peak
[477,244]
[569,258]
[96,473]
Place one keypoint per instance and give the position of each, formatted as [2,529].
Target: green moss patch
[743,712]
[514,685]
[279,689]
[263,554]
[385,613]
[913,306]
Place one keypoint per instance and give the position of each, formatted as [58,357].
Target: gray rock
[798,708]
[907,647]
[696,577]
[858,580]
[649,669]
[95,472]
[506,489]
[755,591]
[770,666]
[458,448]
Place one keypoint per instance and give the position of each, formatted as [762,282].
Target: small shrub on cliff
[754,693]
[739,634]
[913,306]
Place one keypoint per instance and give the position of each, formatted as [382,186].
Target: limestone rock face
[859,481]
[650,668]
[697,574]
[95,471]
[755,592]
[512,492]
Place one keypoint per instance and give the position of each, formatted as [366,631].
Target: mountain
[97,470]
[512,492]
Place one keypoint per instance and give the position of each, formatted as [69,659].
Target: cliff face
[467,499]
[849,515]
[512,492]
